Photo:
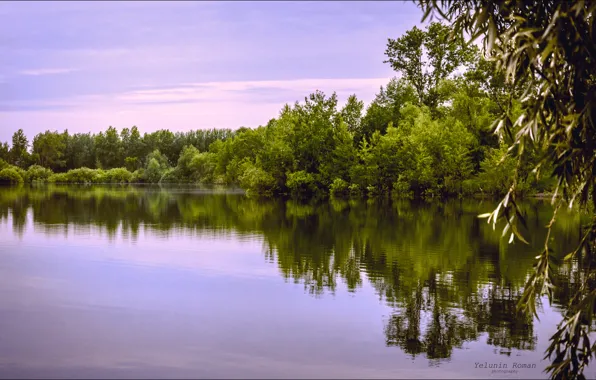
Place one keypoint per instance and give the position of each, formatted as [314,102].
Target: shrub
[81,175]
[10,176]
[202,166]
[301,183]
[138,176]
[154,171]
[401,188]
[58,178]
[470,187]
[22,172]
[373,191]
[173,175]
[38,173]
[339,187]
[254,179]
[354,189]
[497,170]
[185,160]
[131,163]
[116,175]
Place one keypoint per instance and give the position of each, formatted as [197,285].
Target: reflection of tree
[443,271]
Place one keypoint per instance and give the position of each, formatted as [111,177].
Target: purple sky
[185,65]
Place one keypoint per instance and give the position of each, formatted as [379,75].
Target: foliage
[138,176]
[115,175]
[339,187]
[18,152]
[425,58]
[48,149]
[427,134]
[546,49]
[154,171]
[38,173]
[171,175]
[157,166]
[10,176]
[302,184]
[256,180]
[81,175]
[89,176]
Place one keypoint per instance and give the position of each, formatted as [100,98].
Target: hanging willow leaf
[549,47]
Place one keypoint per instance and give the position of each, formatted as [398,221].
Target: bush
[497,170]
[138,176]
[154,171]
[373,191]
[58,178]
[38,173]
[11,176]
[470,187]
[339,187]
[256,180]
[202,167]
[81,175]
[354,189]
[301,183]
[401,188]
[3,164]
[185,160]
[131,163]
[173,176]
[116,175]
[22,172]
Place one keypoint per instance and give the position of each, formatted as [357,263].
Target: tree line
[428,133]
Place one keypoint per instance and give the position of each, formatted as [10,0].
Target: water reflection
[440,268]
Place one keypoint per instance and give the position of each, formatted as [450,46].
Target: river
[133,282]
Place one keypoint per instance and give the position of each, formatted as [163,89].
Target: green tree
[108,149]
[351,113]
[49,148]
[386,108]
[80,151]
[426,57]
[134,147]
[186,157]
[547,48]
[18,153]
[157,165]
[4,151]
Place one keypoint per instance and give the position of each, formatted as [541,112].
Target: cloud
[178,107]
[249,91]
[48,71]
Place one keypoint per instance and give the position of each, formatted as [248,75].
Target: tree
[134,147]
[310,130]
[107,149]
[547,48]
[4,152]
[18,153]
[424,58]
[48,148]
[386,108]
[80,151]
[351,113]
[157,165]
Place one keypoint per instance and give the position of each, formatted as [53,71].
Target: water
[134,282]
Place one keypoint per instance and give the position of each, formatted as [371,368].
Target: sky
[84,66]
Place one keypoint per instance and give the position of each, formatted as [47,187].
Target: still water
[133,282]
